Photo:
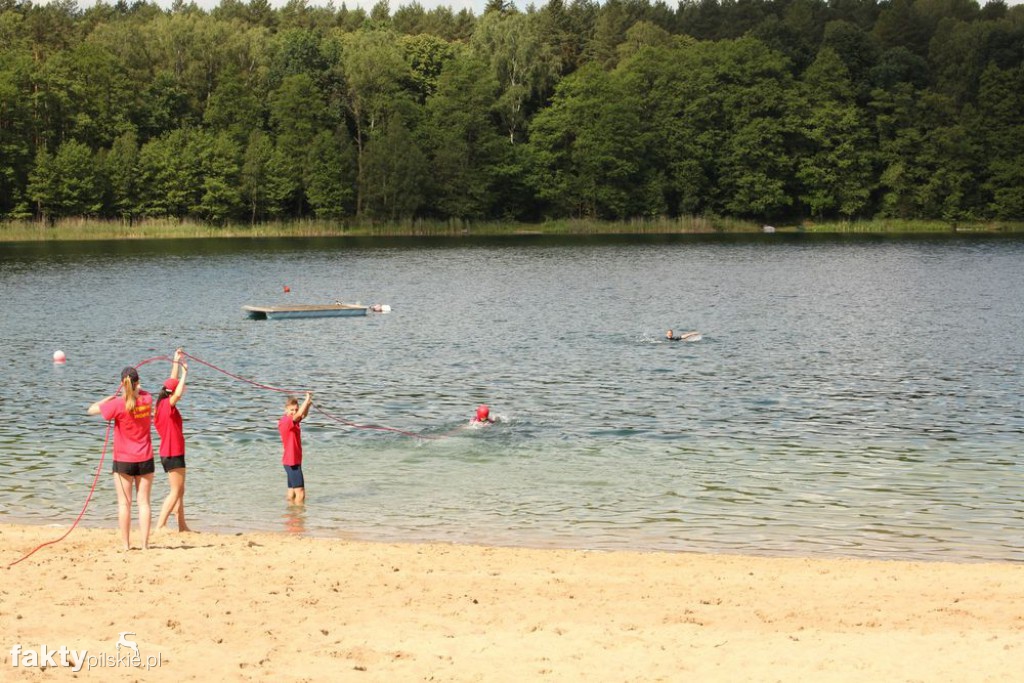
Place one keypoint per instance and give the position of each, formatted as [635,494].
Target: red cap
[171,384]
[482,412]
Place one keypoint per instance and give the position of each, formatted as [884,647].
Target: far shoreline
[80,229]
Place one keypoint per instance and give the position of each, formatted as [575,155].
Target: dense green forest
[757,109]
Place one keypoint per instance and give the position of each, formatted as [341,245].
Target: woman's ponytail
[129,393]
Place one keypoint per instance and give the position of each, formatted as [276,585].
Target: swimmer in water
[685,336]
[483,415]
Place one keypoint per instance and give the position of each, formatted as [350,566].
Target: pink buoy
[59,357]
[287,289]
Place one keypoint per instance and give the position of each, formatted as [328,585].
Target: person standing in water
[172,442]
[291,439]
[133,451]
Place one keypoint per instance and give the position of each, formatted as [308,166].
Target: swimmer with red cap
[483,415]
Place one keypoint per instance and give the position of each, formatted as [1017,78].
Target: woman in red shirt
[133,451]
[172,443]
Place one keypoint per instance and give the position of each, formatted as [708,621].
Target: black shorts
[295,480]
[134,469]
[175,462]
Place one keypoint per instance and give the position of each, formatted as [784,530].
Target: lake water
[849,396]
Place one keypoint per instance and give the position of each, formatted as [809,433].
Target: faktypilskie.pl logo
[126,654]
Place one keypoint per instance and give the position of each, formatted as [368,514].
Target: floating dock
[337,310]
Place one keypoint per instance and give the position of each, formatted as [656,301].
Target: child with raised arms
[291,438]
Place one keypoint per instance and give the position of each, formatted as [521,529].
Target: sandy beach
[278,607]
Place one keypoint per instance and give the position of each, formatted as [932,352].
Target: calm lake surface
[849,396]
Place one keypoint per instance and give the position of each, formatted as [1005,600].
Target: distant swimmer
[483,415]
[685,336]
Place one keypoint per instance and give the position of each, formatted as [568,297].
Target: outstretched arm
[94,409]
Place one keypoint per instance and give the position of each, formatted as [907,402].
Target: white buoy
[59,357]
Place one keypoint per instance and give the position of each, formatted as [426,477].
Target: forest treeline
[757,109]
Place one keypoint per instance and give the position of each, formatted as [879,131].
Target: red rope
[323,412]
[88,498]
[377,427]
[242,379]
